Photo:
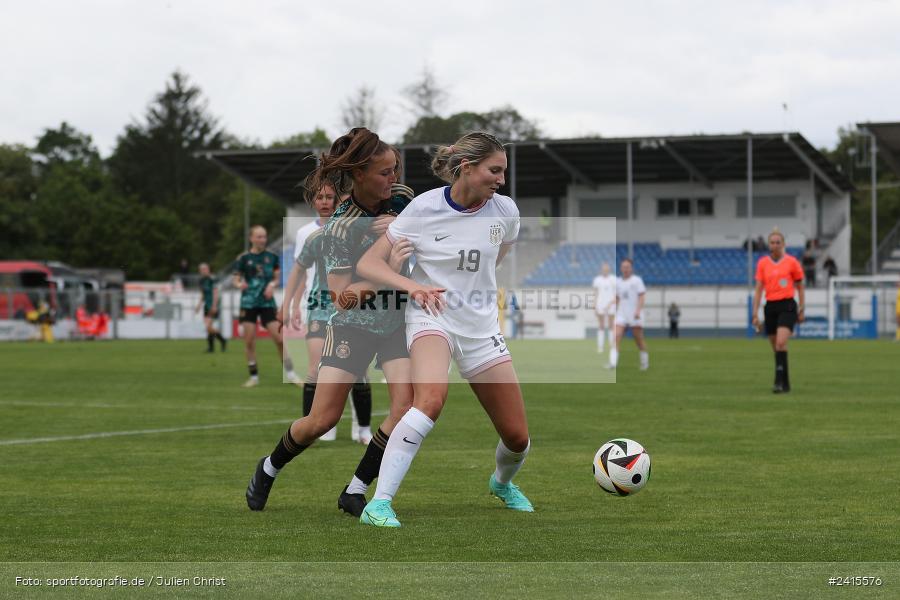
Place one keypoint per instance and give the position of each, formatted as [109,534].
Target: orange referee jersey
[778,278]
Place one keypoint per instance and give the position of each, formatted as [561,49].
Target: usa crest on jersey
[496,235]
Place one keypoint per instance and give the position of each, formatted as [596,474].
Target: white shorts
[609,312]
[629,320]
[472,355]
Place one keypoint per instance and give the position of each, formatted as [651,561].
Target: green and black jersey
[258,270]
[319,306]
[208,287]
[347,236]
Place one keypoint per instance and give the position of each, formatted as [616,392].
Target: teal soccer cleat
[511,495]
[380,514]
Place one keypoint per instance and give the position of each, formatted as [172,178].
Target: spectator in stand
[809,265]
[830,267]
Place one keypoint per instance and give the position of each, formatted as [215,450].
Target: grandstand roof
[547,167]
[888,137]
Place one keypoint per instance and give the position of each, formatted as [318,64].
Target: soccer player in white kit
[604,286]
[457,235]
[630,293]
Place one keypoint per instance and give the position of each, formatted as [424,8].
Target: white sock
[269,469]
[600,339]
[365,432]
[508,462]
[645,359]
[613,357]
[401,449]
[611,337]
[356,486]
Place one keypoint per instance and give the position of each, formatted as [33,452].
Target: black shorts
[352,350]
[316,330]
[265,315]
[780,313]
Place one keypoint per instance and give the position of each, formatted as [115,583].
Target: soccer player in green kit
[256,274]
[210,302]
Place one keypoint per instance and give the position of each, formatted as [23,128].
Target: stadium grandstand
[700,207]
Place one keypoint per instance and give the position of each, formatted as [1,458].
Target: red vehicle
[23,284]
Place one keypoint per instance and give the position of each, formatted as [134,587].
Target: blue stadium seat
[577,264]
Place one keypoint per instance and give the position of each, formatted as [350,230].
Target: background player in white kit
[457,235]
[630,294]
[605,307]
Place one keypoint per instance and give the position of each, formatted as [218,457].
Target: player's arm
[757,297]
[238,280]
[801,299]
[270,287]
[298,273]
[640,304]
[504,250]
[199,303]
[215,301]
[375,266]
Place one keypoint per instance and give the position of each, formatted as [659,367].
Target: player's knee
[516,441]
[322,424]
[430,402]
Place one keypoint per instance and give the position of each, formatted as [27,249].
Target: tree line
[154,203]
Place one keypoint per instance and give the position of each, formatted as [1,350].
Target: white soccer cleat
[252,382]
[329,436]
[292,377]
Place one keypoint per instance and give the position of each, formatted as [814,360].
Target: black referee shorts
[780,313]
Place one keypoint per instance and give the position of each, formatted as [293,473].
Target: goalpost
[849,294]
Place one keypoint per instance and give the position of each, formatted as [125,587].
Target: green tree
[19,226]
[850,155]
[66,145]
[317,138]
[156,161]
[425,96]
[504,122]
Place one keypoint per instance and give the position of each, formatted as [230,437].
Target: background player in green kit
[210,302]
[256,275]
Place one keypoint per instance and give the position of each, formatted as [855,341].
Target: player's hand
[429,298]
[213,312]
[269,292]
[381,222]
[297,319]
[637,315]
[755,323]
[801,315]
[243,285]
[400,251]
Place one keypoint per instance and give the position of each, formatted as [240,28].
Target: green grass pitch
[752,494]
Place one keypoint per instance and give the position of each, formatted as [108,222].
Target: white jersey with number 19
[456,249]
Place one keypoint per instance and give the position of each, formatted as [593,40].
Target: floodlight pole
[629,193]
[874,173]
[750,212]
[246,216]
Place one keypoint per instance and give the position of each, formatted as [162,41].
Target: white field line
[256,408]
[109,434]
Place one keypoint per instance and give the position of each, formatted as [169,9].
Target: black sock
[254,372]
[219,337]
[285,451]
[209,341]
[309,392]
[362,402]
[368,467]
[780,367]
[784,378]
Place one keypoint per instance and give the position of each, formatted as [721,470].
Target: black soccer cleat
[352,504]
[223,344]
[780,388]
[259,488]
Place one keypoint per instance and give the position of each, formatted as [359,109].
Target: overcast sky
[272,68]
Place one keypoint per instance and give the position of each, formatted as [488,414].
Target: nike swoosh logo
[407,441]
[438,239]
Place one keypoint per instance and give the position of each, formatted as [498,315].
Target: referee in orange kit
[778,274]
